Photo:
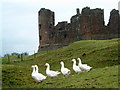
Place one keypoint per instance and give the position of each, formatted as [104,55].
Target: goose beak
[44,65]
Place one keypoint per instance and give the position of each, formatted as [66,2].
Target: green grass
[102,55]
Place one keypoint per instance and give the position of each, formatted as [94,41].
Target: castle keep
[87,25]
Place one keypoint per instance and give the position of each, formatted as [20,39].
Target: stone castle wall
[87,25]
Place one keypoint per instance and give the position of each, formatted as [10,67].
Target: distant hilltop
[87,25]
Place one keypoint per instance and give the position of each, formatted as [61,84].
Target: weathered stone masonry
[87,25]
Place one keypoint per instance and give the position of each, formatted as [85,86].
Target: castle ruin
[87,25]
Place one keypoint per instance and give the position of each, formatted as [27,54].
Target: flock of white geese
[38,77]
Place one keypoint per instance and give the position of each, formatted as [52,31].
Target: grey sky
[119,7]
[19,26]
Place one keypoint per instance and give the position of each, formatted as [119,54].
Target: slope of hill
[102,55]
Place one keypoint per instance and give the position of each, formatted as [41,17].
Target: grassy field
[11,59]
[102,55]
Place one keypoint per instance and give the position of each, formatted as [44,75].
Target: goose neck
[74,63]
[33,70]
[48,68]
[36,68]
[80,61]
[62,65]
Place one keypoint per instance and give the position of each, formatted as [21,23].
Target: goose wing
[53,73]
[65,70]
[77,69]
[40,76]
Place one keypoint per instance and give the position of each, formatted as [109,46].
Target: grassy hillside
[102,55]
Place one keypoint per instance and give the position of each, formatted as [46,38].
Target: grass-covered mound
[102,55]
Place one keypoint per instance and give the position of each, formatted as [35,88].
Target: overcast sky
[19,25]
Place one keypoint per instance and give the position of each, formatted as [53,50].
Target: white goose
[65,71]
[42,76]
[75,67]
[83,67]
[51,73]
[80,61]
[38,77]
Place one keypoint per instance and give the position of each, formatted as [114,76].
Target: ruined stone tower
[46,23]
[92,23]
[114,24]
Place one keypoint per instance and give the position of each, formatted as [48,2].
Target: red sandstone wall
[85,26]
